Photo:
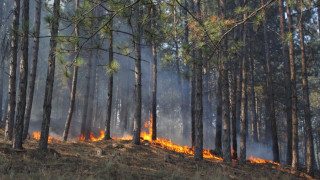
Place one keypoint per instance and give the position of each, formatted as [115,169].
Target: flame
[99,138]
[36,135]
[126,137]
[261,161]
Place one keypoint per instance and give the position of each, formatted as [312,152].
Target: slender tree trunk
[33,72]
[116,107]
[154,75]
[243,117]
[306,102]
[253,103]
[13,71]
[218,143]
[271,116]
[258,119]
[233,95]
[74,82]
[23,83]
[287,83]
[84,132]
[137,70]
[5,48]
[186,83]
[43,143]
[110,90]
[295,140]
[226,142]
[198,108]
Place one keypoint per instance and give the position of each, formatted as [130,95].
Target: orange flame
[261,161]
[126,137]
[168,144]
[36,135]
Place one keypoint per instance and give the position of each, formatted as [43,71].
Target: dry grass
[79,160]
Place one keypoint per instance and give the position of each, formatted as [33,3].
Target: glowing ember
[261,161]
[36,135]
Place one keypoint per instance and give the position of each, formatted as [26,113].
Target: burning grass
[159,142]
[74,160]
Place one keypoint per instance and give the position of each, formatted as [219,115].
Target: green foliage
[79,62]
[113,67]
[241,10]
[288,37]
[48,18]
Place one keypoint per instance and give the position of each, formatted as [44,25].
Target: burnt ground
[115,159]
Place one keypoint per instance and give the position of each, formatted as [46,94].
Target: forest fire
[36,135]
[261,161]
[159,142]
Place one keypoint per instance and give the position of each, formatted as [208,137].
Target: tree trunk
[186,84]
[306,102]
[218,143]
[270,96]
[33,72]
[84,133]
[198,108]
[233,91]
[74,82]
[13,71]
[253,103]
[23,83]
[287,83]
[5,48]
[43,143]
[243,116]
[110,89]
[154,75]
[137,70]
[295,140]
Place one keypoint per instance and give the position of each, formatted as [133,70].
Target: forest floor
[123,160]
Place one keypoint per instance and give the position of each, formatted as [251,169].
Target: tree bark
[244,105]
[5,48]
[137,70]
[84,133]
[13,71]
[74,81]
[306,101]
[295,140]
[186,83]
[287,83]
[218,143]
[253,103]
[110,90]
[154,75]
[198,108]
[33,72]
[23,83]
[43,143]
[270,95]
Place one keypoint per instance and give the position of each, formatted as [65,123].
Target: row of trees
[240,67]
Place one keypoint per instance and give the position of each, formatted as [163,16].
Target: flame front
[36,136]
[261,161]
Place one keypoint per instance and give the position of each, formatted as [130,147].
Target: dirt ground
[115,159]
